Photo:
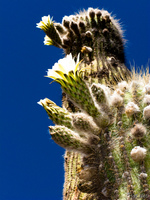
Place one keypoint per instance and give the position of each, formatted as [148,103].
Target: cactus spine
[105,121]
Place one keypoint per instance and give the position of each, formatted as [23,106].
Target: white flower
[64,66]
[138,153]
[45,21]
[47,40]
[138,131]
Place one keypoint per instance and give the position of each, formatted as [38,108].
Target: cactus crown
[94,33]
[108,120]
[97,37]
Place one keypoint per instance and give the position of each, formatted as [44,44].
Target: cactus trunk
[104,124]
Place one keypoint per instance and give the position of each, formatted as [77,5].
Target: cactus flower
[63,66]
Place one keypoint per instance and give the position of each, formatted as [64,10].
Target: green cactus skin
[105,120]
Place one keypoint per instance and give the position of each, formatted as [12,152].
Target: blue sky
[31,164]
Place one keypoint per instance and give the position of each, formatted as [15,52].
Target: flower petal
[53,74]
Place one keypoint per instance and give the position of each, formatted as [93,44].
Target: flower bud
[100,93]
[138,153]
[98,13]
[138,131]
[60,28]
[84,123]
[91,13]
[146,112]
[88,34]
[116,100]
[88,173]
[69,139]
[143,175]
[66,21]
[147,89]
[87,186]
[134,85]
[131,109]
[74,27]
[57,114]
[82,26]
[118,91]
[146,99]
[123,86]
[45,102]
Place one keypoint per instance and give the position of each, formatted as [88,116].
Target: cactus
[104,123]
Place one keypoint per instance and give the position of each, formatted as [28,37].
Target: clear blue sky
[31,164]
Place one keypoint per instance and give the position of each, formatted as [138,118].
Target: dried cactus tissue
[104,121]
